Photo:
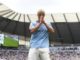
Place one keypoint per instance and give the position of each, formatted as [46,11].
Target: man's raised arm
[50,29]
[35,28]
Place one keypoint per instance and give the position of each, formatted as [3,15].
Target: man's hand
[43,21]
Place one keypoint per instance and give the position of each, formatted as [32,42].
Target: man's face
[41,17]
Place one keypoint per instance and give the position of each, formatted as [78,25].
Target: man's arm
[35,28]
[49,28]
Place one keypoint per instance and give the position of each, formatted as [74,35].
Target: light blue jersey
[40,38]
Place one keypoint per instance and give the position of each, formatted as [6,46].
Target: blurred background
[16,16]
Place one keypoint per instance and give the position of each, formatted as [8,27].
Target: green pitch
[10,42]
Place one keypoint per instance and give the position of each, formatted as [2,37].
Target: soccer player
[39,43]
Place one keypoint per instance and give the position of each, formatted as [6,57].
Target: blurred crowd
[56,53]
[64,53]
[20,53]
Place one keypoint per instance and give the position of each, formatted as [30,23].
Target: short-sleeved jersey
[40,38]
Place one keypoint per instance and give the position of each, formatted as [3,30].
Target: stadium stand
[13,53]
[66,24]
